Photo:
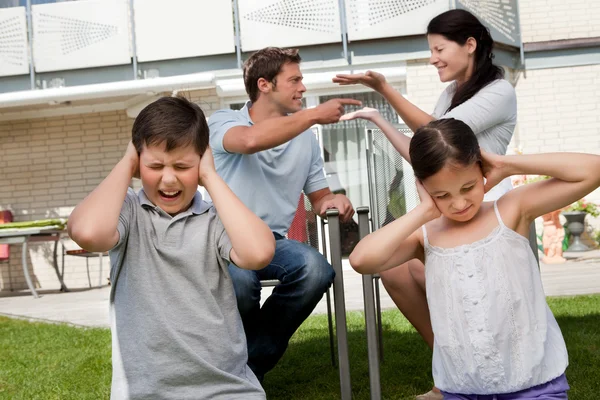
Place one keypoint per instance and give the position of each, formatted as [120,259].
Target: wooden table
[24,236]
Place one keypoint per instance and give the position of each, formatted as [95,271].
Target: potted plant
[575,216]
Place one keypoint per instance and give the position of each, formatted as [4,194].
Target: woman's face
[453,61]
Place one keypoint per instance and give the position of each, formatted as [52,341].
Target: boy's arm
[397,242]
[253,243]
[93,223]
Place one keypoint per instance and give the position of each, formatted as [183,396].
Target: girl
[461,50]
[494,333]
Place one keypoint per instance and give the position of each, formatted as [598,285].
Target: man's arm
[93,223]
[324,199]
[276,131]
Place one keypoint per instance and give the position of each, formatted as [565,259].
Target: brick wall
[559,110]
[47,166]
[543,20]
[423,86]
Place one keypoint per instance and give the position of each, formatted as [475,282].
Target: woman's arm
[412,115]
[400,141]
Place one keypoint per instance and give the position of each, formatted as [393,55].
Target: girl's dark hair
[175,121]
[442,141]
[458,26]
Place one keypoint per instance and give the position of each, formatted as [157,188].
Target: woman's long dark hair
[458,26]
[442,141]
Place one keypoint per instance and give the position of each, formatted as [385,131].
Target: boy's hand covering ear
[132,156]
[206,166]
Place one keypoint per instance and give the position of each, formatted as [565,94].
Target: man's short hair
[266,64]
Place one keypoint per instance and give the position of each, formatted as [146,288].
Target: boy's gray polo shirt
[268,182]
[176,330]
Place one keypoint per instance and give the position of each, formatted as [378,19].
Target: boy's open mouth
[169,194]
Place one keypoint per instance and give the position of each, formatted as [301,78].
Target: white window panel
[183,28]
[288,23]
[373,19]
[500,16]
[80,34]
[13,42]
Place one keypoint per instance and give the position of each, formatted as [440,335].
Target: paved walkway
[90,307]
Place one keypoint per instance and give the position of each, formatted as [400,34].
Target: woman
[461,50]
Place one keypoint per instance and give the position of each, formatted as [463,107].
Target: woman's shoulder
[499,86]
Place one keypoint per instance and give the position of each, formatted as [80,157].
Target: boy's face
[170,179]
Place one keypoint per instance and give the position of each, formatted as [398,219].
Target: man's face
[169,179]
[287,92]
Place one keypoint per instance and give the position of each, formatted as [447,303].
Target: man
[268,155]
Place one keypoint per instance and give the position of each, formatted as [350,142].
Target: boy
[176,331]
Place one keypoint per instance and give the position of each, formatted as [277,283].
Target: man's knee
[319,273]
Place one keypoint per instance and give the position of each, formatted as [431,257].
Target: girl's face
[453,61]
[457,190]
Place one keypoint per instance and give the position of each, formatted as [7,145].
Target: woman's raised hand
[372,79]
[366,113]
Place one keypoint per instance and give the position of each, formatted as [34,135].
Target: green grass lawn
[46,361]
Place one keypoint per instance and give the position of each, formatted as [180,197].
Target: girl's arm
[574,175]
[400,141]
[412,115]
[396,243]
[253,243]
[93,223]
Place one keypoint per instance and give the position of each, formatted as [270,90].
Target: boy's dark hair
[442,141]
[458,26]
[266,64]
[175,121]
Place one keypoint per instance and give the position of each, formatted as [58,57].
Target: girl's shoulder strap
[500,222]
[425,240]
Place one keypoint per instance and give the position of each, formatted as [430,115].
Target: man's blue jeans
[305,276]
